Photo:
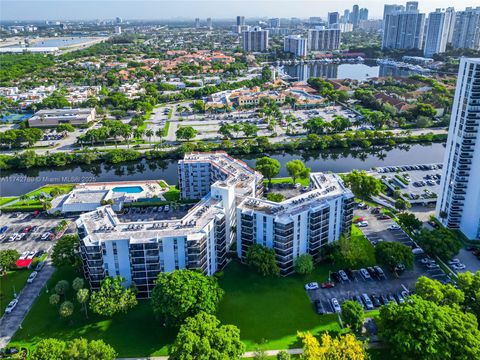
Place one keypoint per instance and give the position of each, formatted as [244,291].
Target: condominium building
[458,205]
[240,20]
[255,39]
[231,210]
[403,29]
[112,245]
[363,15]
[275,23]
[333,18]
[296,45]
[209,24]
[323,39]
[439,24]
[466,34]
[197,23]
[299,225]
[355,16]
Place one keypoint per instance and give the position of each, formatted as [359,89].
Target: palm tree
[149,134]
[126,133]
[139,133]
[159,133]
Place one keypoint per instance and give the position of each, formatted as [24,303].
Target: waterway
[358,71]
[18,183]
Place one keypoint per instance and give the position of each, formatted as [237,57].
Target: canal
[18,183]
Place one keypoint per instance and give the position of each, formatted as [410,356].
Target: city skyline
[165,9]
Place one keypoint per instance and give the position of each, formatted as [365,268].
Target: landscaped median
[36,199]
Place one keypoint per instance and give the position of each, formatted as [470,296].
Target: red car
[27,229]
[360,219]
[327,285]
[384,217]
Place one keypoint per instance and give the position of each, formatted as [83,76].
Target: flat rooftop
[86,196]
[104,224]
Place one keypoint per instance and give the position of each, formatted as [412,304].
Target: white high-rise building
[323,39]
[466,33]
[295,44]
[118,30]
[458,205]
[197,23]
[439,24]
[209,23]
[275,22]
[255,39]
[403,29]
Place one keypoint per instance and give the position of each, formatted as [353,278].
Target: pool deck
[151,188]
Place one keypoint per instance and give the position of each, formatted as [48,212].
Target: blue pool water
[128,189]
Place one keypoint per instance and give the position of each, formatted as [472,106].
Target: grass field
[173,194]
[289,180]
[12,280]
[65,188]
[6,200]
[268,311]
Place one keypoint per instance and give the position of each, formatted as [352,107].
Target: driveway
[10,323]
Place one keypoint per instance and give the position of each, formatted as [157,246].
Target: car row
[369,273]
[408,168]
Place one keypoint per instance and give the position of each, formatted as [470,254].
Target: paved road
[248,354]
[10,323]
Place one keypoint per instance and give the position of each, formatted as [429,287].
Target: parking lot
[32,241]
[379,229]
[418,183]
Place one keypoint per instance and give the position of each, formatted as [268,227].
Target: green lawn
[6,200]
[12,280]
[269,311]
[265,309]
[288,180]
[173,194]
[65,188]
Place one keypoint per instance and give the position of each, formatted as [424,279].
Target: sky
[166,9]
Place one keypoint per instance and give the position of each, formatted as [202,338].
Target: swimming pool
[128,189]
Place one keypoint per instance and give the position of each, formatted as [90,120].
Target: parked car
[433,265]
[311,286]
[32,277]
[454,261]
[362,224]
[375,300]
[365,274]
[335,305]
[391,298]
[360,219]
[358,300]
[427,260]
[46,235]
[394,227]
[417,251]
[384,300]
[380,272]
[40,266]
[459,266]
[368,303]
[327,285]
[3,229]
[11,305]
[384,217]
[343,275]
[319,307]
[399,298]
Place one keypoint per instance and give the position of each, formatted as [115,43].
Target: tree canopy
[262,259]
[304,264]
[268,167]
[203,337]
[344,347]
[352,315]
[421,329]
[392,254]
[186,133]
[76,349]
[184,293]
[297,169]
[65,251]
[362,184]
[8,258]
[440,242]
[112,297]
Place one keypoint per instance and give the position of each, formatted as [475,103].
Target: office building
[323,39]
[275,23]
[118,20]
[458,205]
[118,30]
[333,18]
[209,24]
[53,117]
[240,20]
[296,45]
[371,25]
[300,225]
[255,39]
[315,21]
[466,34]
[363,15]
[197,23]
[355,16]
[392,9]
[346,16]
[403,29]
[438,31]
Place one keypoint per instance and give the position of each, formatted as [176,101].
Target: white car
[335,305]
[454,262]
[433,265]
[46,235]
[311,286]
[32,277]
[365,274]
[394,227]
[458,266]
[3,236]
[417,251]
[427,260]
[24,255]
[31,255]
[166,208]
[362,224]
[12,237]
[11,305]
